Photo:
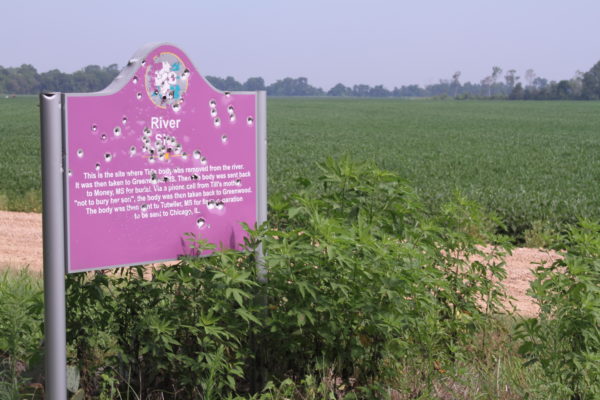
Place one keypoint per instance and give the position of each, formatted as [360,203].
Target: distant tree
[409,91]
[93,78]
[540,83]
[215,81]
[563,90]
[109,74]
[529,93]
[22,80]
[471,90]
[496,72]
[490,80]
[591,83]
[487,82]
[442,88]
[456,82]
[26,80]
[339,90]
[379,91]
[3,75]
[254,84]
[56,81]
[576,84]
[361,90]
[231,84]
[529,77]
[228,83]
[293,87]
[511,79]
[88,79]
[517,93]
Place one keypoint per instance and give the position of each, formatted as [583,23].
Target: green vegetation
[565,338]
[26,79]
[21,315]
[583,86]
[363,285]
[20,156]
[534,164]
[370,295]
[524,161]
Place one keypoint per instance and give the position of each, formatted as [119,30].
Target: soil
[21,247]
[21,240]
[518,268]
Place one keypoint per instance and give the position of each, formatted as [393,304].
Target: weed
[565,338]
[21,304]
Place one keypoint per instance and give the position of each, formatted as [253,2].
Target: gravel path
[21,246]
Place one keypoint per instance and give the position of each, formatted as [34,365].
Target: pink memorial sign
[158,154]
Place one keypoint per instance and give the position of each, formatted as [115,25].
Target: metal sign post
[54,247]
[130,170]
[261,161]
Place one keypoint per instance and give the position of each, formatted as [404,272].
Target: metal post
[261,167]
[259,372]
[54,247]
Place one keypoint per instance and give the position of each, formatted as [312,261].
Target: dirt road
[21,246]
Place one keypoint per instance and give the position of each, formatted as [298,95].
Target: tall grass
[21,306]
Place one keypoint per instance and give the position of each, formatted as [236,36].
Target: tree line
[26,79]
[498,84]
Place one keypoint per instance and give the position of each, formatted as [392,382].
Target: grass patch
[21,315]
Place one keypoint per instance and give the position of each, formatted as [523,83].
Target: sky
[389,42]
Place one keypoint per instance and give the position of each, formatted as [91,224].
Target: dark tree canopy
[25,79]
[591,83]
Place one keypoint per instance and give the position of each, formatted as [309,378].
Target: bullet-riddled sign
[158,154]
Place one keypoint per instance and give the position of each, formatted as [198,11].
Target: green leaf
[247,316]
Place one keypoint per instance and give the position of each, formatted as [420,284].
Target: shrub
[184,329]
[565,338]
[21,304]
[360,274]
[361,277]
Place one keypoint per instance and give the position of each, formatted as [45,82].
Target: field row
[526,161]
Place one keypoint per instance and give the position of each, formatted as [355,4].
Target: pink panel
[164,155]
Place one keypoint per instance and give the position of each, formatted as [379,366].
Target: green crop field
[526,161]
[20,161]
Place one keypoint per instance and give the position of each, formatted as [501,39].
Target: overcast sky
[328,41]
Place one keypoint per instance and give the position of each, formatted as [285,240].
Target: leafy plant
[361,277]
[360,273]
[21,303]
[181,328]
[565,338]
[541,235]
